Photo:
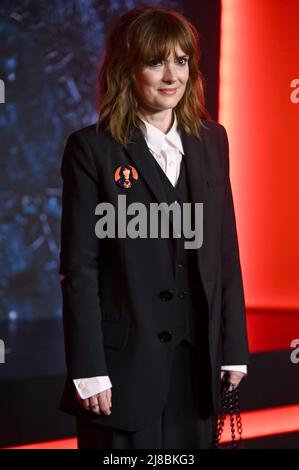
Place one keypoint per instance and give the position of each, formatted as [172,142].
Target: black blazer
[112,311]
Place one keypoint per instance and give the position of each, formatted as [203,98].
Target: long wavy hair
[137,36]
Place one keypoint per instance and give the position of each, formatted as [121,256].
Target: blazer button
[180,265]
[182,294]
[165,336]
[166,295]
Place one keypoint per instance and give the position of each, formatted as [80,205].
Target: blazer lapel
[143,160]
[196,177]
[194,161]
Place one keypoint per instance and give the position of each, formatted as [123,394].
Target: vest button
[180,265]
[182,294]
[166,295]
[165,336]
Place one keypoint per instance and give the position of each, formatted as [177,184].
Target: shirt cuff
[235,368]
[91,386]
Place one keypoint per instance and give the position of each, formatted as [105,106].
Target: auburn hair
[137,36]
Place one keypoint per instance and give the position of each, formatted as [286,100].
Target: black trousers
[186,421]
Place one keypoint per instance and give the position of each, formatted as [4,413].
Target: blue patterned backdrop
[49,52]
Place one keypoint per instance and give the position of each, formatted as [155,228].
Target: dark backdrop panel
[49,62]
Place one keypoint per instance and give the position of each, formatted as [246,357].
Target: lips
[168,91]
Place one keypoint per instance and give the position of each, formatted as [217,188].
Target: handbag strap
[230,405]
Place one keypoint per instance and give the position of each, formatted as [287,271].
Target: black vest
[189,305]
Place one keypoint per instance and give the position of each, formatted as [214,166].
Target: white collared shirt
[166,148]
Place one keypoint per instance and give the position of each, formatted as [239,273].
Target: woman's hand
[99,403]
[234,378]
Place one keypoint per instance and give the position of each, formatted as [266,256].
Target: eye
[153,63]
[183,60]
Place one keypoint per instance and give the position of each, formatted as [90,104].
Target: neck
[162,120]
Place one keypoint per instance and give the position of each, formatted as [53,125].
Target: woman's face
[126,173]
[161,85]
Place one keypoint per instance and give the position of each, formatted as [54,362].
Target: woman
[150,326]
[126,178]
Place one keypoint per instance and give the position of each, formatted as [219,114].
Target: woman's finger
[104,403]
[94,405]
[85,403]
[109,396]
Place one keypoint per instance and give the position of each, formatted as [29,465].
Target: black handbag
[230,406]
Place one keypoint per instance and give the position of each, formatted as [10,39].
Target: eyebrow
[177,57]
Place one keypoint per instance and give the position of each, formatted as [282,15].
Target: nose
[170,73]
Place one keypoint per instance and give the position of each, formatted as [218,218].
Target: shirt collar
[155,138]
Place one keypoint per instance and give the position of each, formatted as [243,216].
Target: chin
[168,101]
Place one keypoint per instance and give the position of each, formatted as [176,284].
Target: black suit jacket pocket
[115,333]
